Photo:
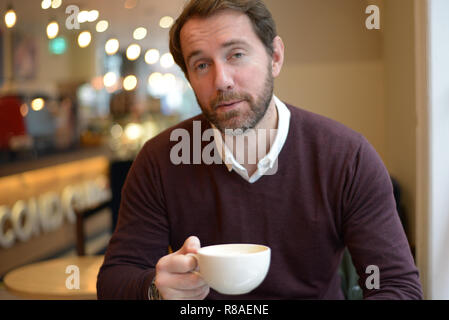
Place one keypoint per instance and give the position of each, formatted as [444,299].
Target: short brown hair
[261,19]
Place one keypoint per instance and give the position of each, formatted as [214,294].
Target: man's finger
[186,281]
[176,263]
[195,294]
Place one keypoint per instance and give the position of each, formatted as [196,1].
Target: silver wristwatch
[153,292]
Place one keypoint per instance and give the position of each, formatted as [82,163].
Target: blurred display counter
[37,199]
[9,169]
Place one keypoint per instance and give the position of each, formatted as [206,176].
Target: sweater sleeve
[373,232]
[141,237]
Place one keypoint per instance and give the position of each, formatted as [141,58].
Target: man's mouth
[228,104]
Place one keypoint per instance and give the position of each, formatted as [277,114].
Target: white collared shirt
[266,165]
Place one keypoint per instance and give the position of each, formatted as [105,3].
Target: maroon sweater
[331,191]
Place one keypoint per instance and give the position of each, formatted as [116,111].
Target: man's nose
[223,78]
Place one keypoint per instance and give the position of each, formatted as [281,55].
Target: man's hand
[174,278]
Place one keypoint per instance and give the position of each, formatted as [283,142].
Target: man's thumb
[191,245]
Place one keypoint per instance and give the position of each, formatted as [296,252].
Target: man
[316,186]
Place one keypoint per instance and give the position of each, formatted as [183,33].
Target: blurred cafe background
[84,84]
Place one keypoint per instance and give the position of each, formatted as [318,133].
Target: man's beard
[237,120]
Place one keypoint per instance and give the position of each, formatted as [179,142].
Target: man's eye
[201,66]
[238,55]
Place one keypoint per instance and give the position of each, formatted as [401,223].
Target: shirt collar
[281,136]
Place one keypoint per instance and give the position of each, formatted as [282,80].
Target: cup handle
[195,256]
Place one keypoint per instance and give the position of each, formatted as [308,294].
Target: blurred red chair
[12,122]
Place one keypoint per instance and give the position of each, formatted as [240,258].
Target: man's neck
[248,149]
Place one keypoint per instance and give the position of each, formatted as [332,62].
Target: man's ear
[278,56]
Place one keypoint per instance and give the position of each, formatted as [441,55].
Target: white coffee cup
[233,269]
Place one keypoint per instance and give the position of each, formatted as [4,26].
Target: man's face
[229,69]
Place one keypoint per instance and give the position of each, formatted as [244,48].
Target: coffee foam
[232,249]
